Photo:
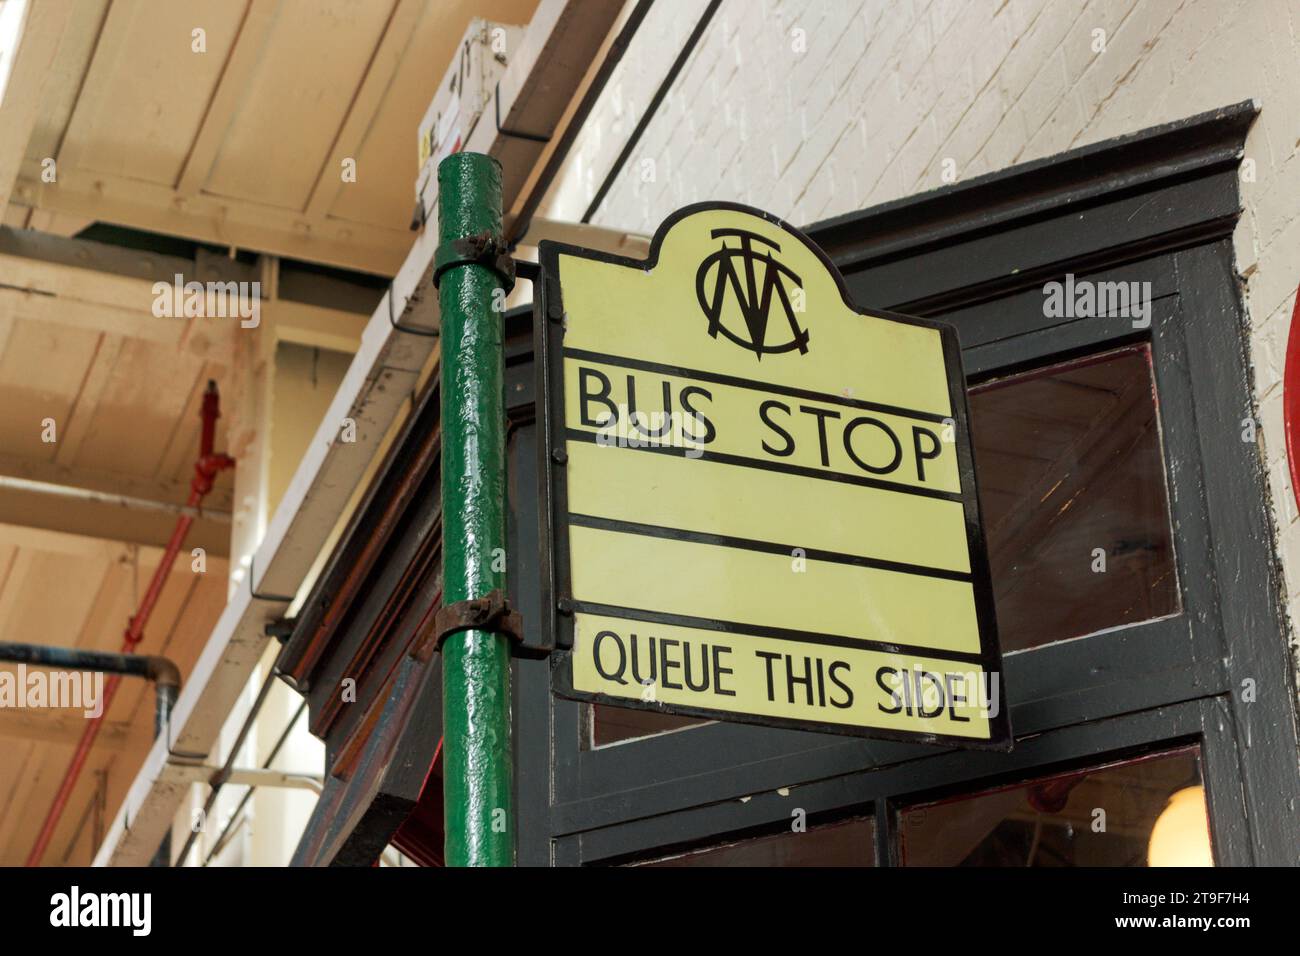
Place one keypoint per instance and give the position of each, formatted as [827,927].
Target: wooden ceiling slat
[144,122]
[393,45]
[297,101]
[142,406]
[86,404]
[40,376]
[42,31]
[23,779]
[244,52]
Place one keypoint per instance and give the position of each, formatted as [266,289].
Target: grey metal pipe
[165,694]
[165,676]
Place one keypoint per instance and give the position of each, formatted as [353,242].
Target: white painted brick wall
[887,89]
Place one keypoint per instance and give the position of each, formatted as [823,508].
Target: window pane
[1145,812]
[611,724]
[847,843]
[1072,489]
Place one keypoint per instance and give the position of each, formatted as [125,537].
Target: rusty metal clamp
[483,249]
[489,613]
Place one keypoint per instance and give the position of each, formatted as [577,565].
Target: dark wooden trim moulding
[1013,228]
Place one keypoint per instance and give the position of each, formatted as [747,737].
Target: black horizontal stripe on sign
[778,633]
[766,547]
[800,471]
[787,390]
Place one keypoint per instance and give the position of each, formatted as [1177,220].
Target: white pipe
[8,483]
[255,777]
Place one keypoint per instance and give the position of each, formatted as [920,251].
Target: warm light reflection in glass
[1181,835]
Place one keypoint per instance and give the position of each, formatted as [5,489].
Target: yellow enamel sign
[759,501]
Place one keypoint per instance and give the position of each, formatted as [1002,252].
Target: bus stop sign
[758,500]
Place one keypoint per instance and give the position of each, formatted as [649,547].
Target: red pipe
[1291,399]
[206,468]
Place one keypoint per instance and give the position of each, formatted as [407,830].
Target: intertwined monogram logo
[718,275]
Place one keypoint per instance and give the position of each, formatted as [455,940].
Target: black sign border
[557,603]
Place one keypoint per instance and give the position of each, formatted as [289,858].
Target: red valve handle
[1291,399]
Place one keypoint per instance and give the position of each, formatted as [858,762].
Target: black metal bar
[652,108]
[578,120]
[248,794]
[219,779]
[70,658]
[513,134]
[164,700]
[882,818]
[151,667]
[164,675]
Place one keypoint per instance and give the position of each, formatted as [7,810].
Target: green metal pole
[477,767]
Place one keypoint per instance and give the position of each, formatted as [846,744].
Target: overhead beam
[97,272]
[103,517]
[58,542]
[218,220]
[95,317]
[101,287]
[164,491]
[55,223]
[139,505]
[316,326]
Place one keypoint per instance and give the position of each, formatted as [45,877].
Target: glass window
[1072,489]
[1145,812]
[846,843]
[610,725]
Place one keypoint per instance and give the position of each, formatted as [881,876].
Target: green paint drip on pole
[477,766]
